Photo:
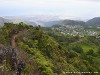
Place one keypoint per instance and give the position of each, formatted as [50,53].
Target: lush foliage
[49,53]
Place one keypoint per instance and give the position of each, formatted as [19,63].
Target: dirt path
[13,42]
[21,54]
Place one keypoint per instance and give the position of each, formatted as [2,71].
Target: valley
[64,48]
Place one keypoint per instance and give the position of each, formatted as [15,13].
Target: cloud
[93,0]
[79,8]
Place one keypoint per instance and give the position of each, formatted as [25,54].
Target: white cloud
[88,0]
[79,8]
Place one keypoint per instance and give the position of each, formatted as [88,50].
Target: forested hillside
[95,21]
[46,52]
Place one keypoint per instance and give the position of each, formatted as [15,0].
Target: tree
[78,49]
[90,52]
[98,50]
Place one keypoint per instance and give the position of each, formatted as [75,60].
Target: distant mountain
[43,20]
[1,21]
[51,23]
[48,20]
[68,22]
[73,22]
[94,21]
[15,21]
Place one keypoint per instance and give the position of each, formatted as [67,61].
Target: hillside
[95,21]
[73,22]
[81,28]
[46,52]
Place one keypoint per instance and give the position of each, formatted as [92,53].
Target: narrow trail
[13,42]
[21,54]
[4,70]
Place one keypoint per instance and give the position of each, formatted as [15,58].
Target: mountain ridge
[94,21]
[48,21]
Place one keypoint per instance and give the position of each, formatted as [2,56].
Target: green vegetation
[47,52]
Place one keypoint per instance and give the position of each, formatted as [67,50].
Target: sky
[74,8]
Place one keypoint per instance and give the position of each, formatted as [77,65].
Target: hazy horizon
[84,9]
